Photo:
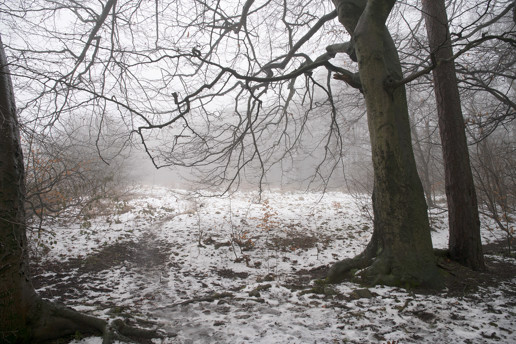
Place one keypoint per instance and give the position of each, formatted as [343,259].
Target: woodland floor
[244,270]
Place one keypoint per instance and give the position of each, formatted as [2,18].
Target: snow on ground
[243,269]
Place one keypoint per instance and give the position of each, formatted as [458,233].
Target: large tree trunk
[24,317]
[465,243]
[16,293]
[400,251]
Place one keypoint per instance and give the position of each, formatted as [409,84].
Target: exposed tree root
[51,321]
[370,269]
[347,268]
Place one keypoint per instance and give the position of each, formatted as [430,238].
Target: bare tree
[24,317]
[494,167]
[482,34]
[214,94]
[236,89]
[398,198]
[465,244]
[15,290]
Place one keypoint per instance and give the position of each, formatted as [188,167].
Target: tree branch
[436,62]
[281,65]
[93,35]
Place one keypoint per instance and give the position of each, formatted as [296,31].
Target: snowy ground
[243,270]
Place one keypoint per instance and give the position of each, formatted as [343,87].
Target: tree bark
[400,252]
[465,243]
[16,293]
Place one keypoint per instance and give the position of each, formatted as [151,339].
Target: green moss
[78,335]
[321,282]
[322,287]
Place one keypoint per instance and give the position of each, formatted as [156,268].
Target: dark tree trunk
[24,317]
[400,251]
[16,293]
[465,243]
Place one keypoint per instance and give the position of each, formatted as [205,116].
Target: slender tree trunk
[465,242]
[424,165]
[400,251]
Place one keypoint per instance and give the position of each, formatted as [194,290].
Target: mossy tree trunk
[465,242]
[400,251]
[24,317]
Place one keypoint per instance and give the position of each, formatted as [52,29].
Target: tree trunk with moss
[400,252]
[24,317]
[465,242]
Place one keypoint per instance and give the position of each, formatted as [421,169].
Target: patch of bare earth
[77,277]
[499,270]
